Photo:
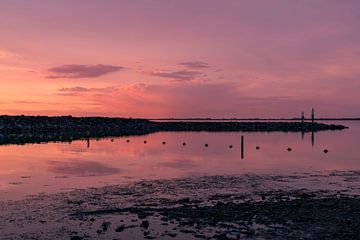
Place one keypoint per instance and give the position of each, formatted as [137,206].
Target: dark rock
[120,228]
[76,238]
[149,237]
[184,200]
[145,224]
[172,234]
[105,226]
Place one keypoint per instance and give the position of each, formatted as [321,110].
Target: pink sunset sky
[180,58]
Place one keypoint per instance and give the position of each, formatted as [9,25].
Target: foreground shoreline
[36,129]
[250,206]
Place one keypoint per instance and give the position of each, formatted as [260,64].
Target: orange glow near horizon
[180,59]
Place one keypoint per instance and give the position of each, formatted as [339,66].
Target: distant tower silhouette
[312,115]
[302,117]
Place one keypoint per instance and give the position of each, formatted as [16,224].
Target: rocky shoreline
[36,129]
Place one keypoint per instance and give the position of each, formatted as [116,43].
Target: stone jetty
[33,129]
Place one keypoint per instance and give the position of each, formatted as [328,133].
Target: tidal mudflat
[321,205]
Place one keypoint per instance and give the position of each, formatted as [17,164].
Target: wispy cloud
[74,91]
[195,64]
[5,54]
[182,75]
[82,71]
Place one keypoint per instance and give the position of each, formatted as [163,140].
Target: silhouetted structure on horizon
[312,115]
[302,117]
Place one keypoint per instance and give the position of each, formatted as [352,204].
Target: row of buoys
[289,149]
[184,143]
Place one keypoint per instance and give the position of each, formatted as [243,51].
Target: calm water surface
[54,167]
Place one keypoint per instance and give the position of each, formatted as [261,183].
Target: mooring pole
[242,147]
[88,138]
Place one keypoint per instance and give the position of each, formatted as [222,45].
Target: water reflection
[90,163]
[82,168]
[179,164]
[312,137]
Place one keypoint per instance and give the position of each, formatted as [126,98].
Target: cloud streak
[82,169]
[82,71]
[182,75]
[76,91]
[195,64]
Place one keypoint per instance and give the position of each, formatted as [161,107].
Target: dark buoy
[112,140]
[257,147]
[145,142]
[230,146]
[206,145]
[163,143]
[289,149]
[127,140]
[184,144]
[326,151]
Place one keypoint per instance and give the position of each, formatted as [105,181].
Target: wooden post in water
[88,138]
[242,147]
